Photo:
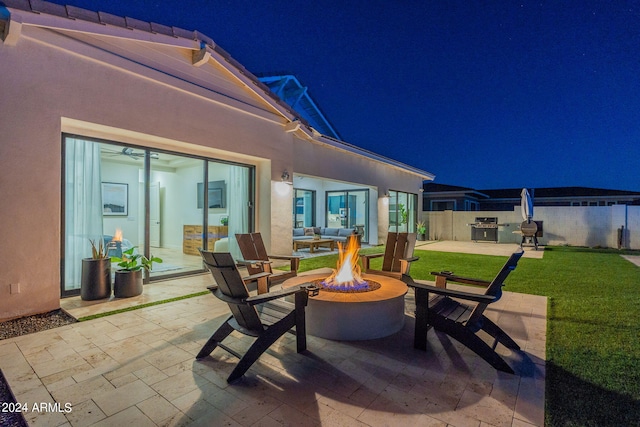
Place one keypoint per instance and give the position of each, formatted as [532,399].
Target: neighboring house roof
[548,192]
[78,20]
[513,195]
[437,187]
[291,91]
[445,189]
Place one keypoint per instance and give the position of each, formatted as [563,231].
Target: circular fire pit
[354,316]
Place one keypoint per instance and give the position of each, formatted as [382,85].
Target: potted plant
[421,228]
[95,280]
[224,221]
[128,281]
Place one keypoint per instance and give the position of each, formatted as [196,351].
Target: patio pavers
[139,368]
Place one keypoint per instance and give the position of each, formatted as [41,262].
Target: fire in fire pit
[114,247]
[347,278]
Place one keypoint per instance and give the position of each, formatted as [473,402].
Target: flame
[347,274]
[117,237]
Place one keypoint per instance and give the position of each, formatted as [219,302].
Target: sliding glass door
[160,203]
[349,209]
[403,211]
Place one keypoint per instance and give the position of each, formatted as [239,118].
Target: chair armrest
[405,264]
[365,258]
[287,257]
[256,276]
[281,293]
[294,261]
[480,298]
[246,262]
[459,279]
[218,294]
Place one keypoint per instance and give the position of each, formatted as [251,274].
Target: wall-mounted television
[217,194]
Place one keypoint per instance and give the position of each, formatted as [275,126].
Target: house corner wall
[281,214]
[383,219]
[30,181]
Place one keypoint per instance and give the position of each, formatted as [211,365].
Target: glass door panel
[402,212]
[359,209]
[83,208]
[412,212]
[304,208]
[349,209]
[175,220]
[229,197]
[336,203]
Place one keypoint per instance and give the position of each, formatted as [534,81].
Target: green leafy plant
[131,261]
[421,227]
[224,220]
[98,251]
[403,213]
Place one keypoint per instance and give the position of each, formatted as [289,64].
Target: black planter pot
[95,282]
[127,284]
[422,237]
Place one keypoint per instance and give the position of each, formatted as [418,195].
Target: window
[470,205]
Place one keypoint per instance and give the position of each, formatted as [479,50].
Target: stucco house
[113,126]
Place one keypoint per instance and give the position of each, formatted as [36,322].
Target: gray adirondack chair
[398,255]
[268,323]
[451,313]
[256,260]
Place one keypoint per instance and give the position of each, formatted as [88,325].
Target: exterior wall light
[284,187]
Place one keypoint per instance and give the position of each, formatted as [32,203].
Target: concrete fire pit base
[355,316]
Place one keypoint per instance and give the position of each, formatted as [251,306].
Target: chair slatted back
[399,246]
[230,284]
[252,248]
[495,287]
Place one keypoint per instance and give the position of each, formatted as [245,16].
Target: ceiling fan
[128,151]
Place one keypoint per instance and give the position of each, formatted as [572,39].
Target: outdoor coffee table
[314,244]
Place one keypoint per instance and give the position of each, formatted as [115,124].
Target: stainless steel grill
[481,225]
[485,229]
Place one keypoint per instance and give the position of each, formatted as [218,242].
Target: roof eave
[68,18]
[314,136]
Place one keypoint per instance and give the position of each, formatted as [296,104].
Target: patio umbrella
[526,205]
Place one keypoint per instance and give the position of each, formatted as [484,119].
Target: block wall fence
[591,226]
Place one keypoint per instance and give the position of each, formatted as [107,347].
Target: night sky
[483,94]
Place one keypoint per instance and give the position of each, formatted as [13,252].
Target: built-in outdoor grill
[485,229]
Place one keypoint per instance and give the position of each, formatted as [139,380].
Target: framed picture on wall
[115,199]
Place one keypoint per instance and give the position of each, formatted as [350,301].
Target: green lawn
[593,332]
